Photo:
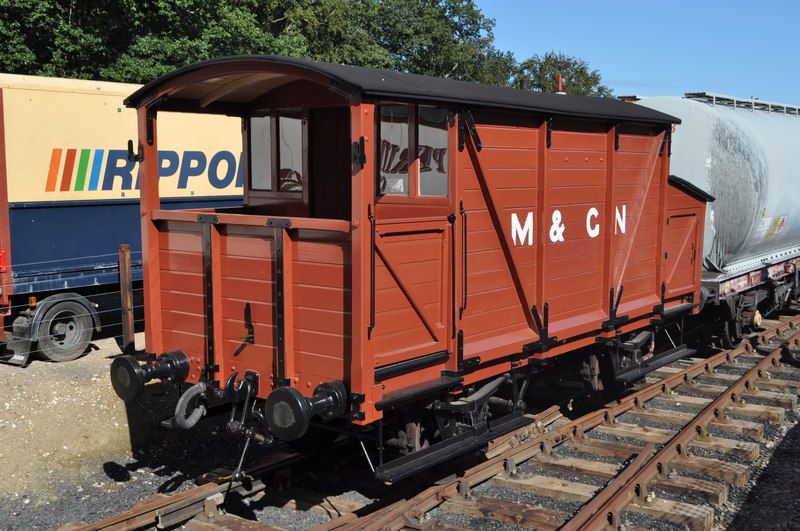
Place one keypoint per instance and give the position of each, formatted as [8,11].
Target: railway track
[670,452]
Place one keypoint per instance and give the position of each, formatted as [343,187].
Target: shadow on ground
[175,454]
[774,502]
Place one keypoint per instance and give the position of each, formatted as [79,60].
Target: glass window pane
[432,141]
[260,154]
[393,163]
[290,130]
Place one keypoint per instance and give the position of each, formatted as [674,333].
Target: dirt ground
[57,418]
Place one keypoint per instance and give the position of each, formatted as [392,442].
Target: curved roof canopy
[233,85]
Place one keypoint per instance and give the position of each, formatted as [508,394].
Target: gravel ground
[461,521]
[489,489]
[66,445]
[54,418]
[566,450]
[69,452]
[773,501]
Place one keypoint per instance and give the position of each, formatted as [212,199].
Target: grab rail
[463,258]
[371,324]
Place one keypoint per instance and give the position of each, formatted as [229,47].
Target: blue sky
[738,48]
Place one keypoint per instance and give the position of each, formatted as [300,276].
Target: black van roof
[387,84]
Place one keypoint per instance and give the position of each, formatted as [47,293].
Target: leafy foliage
[579,79]
[138,40]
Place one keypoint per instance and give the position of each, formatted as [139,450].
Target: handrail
[371,324]
[250,220]
[463,258]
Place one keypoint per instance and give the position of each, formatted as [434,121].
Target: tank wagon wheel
[731,335]
[65,331]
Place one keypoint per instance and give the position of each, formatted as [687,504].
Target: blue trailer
[69,197]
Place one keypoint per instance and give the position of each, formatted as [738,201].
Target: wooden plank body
[546,212]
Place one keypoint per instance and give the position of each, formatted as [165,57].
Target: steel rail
[395,514]
[167,511]
[619,496]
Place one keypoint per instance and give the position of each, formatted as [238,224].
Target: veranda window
[277,165]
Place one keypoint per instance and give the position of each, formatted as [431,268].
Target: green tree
[579,78]
[138,40]
[447,38]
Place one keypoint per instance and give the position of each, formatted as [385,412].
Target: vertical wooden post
[126,298]
[607,231]
[150,201]
[289,354]
[540,213]
[362,364]
[216,298]
[455,193]
[663,177]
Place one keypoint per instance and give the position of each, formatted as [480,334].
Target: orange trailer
[410,250]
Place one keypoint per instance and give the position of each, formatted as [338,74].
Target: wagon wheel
[65,331]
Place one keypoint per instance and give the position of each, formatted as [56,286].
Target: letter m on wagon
[521,233]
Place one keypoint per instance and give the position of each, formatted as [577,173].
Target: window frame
[413,197]
[255,197]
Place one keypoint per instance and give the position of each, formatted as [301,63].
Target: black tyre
[65,331]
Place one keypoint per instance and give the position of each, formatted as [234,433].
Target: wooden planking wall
[320,293]
[247,276]
[637,184]
[510,157]
[182,300]
[417,258]
[576,180]
[322,307]
[683,244]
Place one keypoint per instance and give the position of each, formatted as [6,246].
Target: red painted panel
[322,307]
[182,317]
[410,271]
[575,183]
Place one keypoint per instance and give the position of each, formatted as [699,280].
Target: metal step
[440,452]
[417,391]
[678,309]
[631,374]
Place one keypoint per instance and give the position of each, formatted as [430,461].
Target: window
[260,153]
[393,159]
[277,168]
[290,156]
[412,158]
[432,150]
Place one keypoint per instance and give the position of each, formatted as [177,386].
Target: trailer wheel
[65,331]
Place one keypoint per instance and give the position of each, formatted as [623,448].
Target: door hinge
[466,126]
[359,152]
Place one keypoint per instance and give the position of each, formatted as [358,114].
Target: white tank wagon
[746,153]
